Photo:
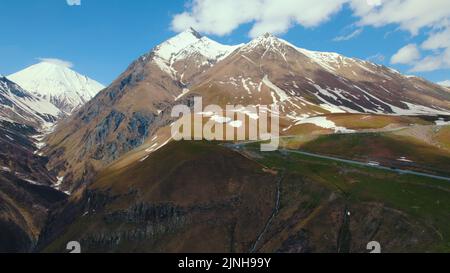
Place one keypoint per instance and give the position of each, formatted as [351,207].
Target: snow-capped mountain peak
[267,41]
[330,61]
[191,42]
[189,47]
[176,44]
[63,87]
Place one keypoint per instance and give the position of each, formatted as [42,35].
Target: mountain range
[266,71]
[363,154]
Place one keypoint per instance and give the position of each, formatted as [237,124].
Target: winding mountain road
[399,171]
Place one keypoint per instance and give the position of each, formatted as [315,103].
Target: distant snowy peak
[19,106]
[63,87]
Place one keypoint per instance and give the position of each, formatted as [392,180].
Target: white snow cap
[267,39]
[58,84]
[190,42]
[186,44]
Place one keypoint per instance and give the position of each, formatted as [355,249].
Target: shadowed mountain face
[25,192]
[267,71]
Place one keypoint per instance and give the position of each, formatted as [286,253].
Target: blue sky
[102,37]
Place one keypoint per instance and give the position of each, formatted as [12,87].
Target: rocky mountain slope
[61,86]
[305,83]
[267,71]
[123,115]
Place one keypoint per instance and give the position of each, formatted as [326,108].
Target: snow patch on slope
[280,93]
[323,122]
[442,122]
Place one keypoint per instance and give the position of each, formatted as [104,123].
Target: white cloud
[410,15]
[349,36]
[436,40]
[413,16]
[278,16]
[445,83]
[439,44]
[73,2]
[274,16]
[406,55]
[56,62]
[433,62]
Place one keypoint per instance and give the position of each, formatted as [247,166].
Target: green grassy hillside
[386,148]
[203,197]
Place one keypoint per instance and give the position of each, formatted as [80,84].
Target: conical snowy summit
[63,87]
